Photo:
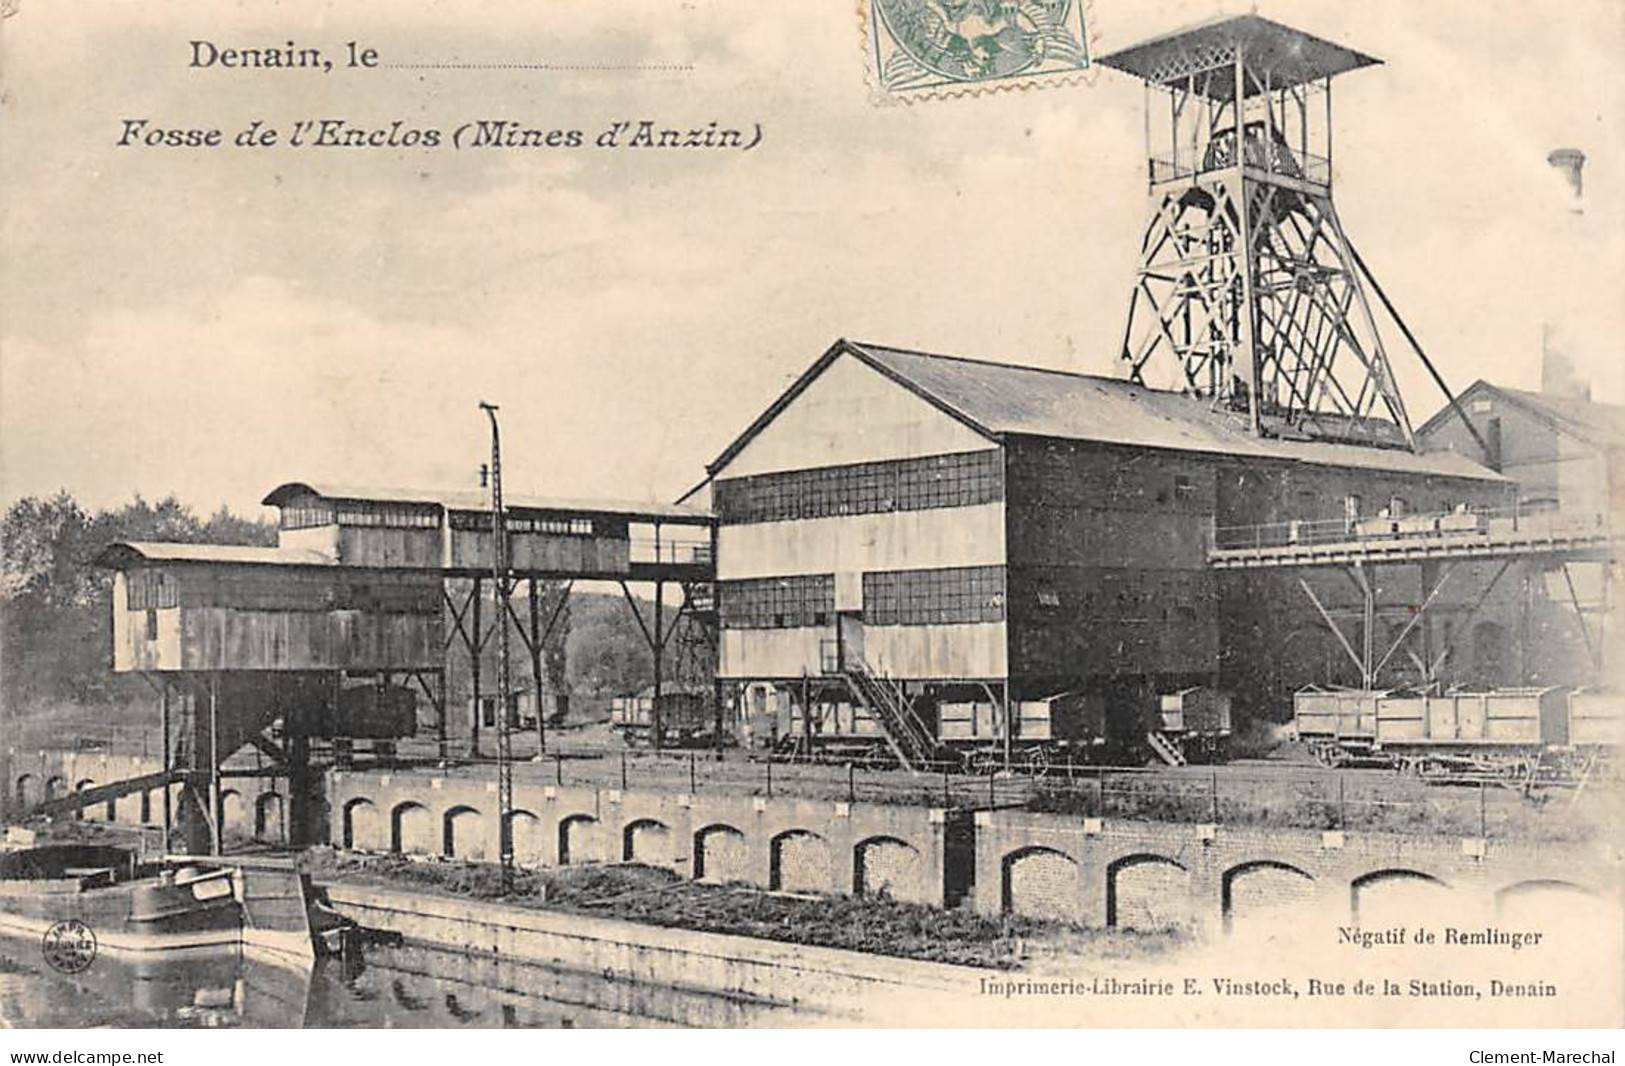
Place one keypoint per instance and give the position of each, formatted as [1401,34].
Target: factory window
[151,589]
[778,602]
[307,512]
[934,597]
[389,515]
[152,624]
[480,521]
[959,480]
[1184,487]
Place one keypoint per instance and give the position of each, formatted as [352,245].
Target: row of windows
[310,512]
[151,589]
[390,515]
[307,514]
[778,602]
[960,480]
[480,521]
[893,597]
[934,597]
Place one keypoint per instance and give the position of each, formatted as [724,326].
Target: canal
[377,986]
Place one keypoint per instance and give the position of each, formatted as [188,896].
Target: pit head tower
[1248,289]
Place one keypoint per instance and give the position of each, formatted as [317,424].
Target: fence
[1284,795]
[1288,795]
[1462,525]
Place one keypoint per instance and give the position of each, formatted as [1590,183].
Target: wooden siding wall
[1108,572]
[1108,575]
[606,552]
[384,546]
[280,618]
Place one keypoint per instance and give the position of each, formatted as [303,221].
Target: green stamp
[948,47]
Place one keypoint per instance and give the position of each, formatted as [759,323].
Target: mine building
[991,531]
[450,532]
[1566,452]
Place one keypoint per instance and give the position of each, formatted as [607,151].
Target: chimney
[1570,161]
[1558,376]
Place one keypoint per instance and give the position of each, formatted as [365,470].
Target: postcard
[869,513]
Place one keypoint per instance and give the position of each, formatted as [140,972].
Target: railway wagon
[1195,722]
[687,719]
[1065,727]
[1336,725]
[1596,718]
[1069,727]
[1525,734]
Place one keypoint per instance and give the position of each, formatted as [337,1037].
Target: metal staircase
[907,736]
[1167,750]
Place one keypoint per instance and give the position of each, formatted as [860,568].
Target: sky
[212,323]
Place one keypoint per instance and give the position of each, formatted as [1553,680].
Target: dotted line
[681,68]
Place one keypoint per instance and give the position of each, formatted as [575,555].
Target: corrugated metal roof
[1589,420]
[476,500]
[1003,398]
[1599,423]
[124,552]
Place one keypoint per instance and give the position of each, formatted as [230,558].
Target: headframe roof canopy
[1284,55]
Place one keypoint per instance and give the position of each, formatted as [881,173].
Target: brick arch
[1145,890]
[1367,882]
[24,791]
[361,829]
[460,834]
[1041,882]
[720,853]
[1509,896]
[1282,884]
[55,787]
[641,841]
[525,834]
[231,810]
[879,862]
[577,842]
[798,861]
[410,829]
[269,812]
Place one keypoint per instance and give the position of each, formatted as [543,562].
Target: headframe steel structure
[1247,281]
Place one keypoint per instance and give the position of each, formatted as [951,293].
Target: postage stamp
[69,946]
[925,48]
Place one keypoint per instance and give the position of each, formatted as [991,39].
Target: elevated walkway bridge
[1439,544]
[1554,535]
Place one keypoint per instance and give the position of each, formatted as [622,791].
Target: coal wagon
[1526,735]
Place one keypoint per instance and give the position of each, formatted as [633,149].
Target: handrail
[1443,527]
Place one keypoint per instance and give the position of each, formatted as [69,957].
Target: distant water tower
[1247,285]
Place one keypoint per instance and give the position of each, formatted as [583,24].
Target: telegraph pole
[502,575]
